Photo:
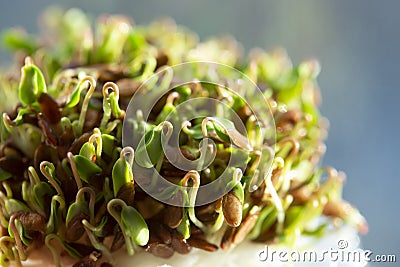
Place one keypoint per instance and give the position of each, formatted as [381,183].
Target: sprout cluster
[67,181]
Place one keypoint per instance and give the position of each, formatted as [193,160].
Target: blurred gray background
[358,45]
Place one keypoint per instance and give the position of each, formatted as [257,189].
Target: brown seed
[226,241]
[162,59]
[127,87]
[194,230]
[47,130]
[232,209]
[246,226]
[160,250]
[179,244]
[75,228]
[173,216]
[32,221]
[118,240]
[258,194]
[148,207]
[202,244]
[50,108]
[78,143]
[162,232]
[109,72]
[106,264]
[127,193]
[44,153]
[13,165]
[85,262]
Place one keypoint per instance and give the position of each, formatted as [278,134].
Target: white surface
[246,254]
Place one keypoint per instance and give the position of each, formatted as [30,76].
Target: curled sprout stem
[54,251]
[92,200]
[170,128]
[44,167]
[89,228]
[110,207]
[51,224]
[75,173]
[295,147]
[28,61]
[165,136]
[195,177]
[112,125]
[150,66]
[28,198]
[167,79]
[96,138]
[8,123]
[186,127]
[17,238]
[256,162]
[17,257]
[128,153]
[171,98]
[4,241]
[33,176]
[204,123]
[277,202]
[109,86]
[6,186]
[91,88]
[3,220]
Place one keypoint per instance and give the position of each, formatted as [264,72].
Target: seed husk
[202,244]
[160,250]
[75,228]
[232,209]
[179,244]
[246,226]
[227,238]
[32,221]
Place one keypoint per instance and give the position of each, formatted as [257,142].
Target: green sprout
[68,182]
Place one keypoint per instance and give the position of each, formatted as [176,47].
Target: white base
[246,254]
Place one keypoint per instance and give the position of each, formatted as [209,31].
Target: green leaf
[75,209]
[13,205]
[32,84]
[55,221]
[121,174]
[184,227]
[221,126]
[116,111]
[196,133]
[108,144]
[86,168]
[226,132]
[75,96]
[26,239]
[40,190]
[134,225]
[150,148]
[88,151]
[238,190]
[4,175]
[19,40]
[168,112]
